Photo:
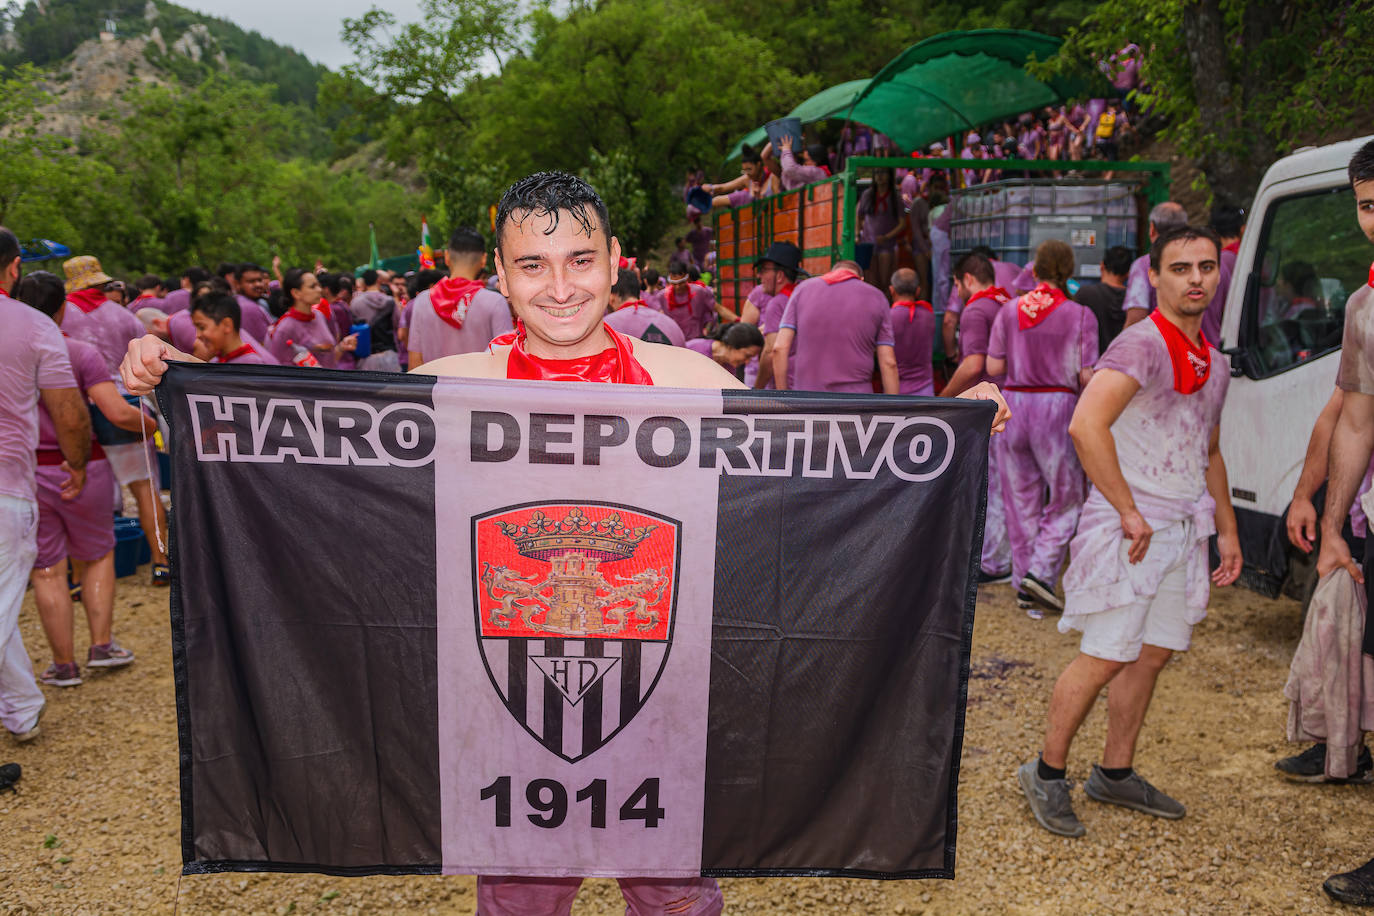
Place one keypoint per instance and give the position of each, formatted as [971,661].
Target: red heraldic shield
[575,605]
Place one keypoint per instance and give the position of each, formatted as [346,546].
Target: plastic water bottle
[301,356]
[363,332]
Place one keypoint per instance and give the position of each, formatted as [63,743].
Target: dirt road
[95,826]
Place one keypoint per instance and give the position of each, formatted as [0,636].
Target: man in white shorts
[1146,429]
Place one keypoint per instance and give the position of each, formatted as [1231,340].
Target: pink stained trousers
[512,896]
[1043,484]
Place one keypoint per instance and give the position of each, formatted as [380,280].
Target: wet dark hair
[42,290]
[422,280]
[651,276]
[148,282]
[196,274]
[739,336]
[218,306]
[552,194]
[1181,234]
[1118,260]
[1362,163]
[227,269]
[1228,220]
[627,286]
[749,154]
[976,265]
[818,153]
[246,267]
[9,247]
[369,277]
[985,251]
[467,240]
[291,280]
[336,283]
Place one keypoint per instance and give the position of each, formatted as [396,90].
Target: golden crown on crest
[543,538]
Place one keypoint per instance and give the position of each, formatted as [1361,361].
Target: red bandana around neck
[1037,305]
[230,357]
[451,298]
[1371,275]
[636,304]
[292,313]
[615,364]
[839,275]
[911,307]
[88,299]
[786,289]
[325,309]
[1192,363]
[996,293]
[1232,247]
[670,299]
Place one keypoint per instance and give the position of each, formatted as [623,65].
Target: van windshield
[1312,256]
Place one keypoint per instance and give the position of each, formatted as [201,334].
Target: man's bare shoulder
[486,364]
[679,367]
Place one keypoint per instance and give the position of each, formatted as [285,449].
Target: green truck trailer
[1010,216]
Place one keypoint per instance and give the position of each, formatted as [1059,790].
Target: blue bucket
[131,547]
[697,197]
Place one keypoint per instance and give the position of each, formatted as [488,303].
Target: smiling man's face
[558,277]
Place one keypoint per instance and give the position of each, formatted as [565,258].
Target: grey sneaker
[1049,801]
[1132,792]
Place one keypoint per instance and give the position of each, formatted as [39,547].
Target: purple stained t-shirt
[1139,293]
[33,355]
[108,328]
[646,323]
[838,328]
[701,345]
[178,300]
[1048,354]
[691,315]
[308,333]
[1162,436]
[181,331]
[88,367]
[879,217]
[975,332]
[913,342]
[794,174]
[432,337]
[253,318]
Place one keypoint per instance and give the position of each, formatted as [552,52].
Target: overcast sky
[310,26]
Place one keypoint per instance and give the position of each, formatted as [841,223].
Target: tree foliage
[1237,83]
[219,179]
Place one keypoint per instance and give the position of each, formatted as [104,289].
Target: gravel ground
[95,825]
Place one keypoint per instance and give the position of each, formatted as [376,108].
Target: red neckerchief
[996,293]
[1232,247]
[786,289]
[88,299]
[1192,363]
[1371,275]
[292,313]
[147,294]
[325,309]
[451,298]
[241,351]
[839,275]
[1036,305]
[670,299]
[637,303]
[911,307]
[615,364]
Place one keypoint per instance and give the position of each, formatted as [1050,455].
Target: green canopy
[825,104]
[957,81]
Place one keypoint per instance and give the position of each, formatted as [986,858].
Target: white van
[1302,256]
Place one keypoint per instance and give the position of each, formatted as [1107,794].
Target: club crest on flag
[574,604]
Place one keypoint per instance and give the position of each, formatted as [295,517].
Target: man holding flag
[557,261]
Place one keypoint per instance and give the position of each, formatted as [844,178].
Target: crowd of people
[1114,391]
